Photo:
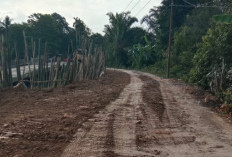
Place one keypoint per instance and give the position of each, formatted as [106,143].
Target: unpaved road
[41,123]
[130,114]
[152,117]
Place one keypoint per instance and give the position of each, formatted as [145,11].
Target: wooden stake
[45,76]
[51,75]
[17,63]
[0,77]
[27,55]
[40,66]
[9,65]
[57,71]
[34,70]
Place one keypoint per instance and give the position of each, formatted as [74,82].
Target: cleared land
[122,114]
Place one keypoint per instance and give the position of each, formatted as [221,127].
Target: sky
[92,12]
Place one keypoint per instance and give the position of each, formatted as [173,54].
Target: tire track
[150,118]
[194,130]
[113,131]
[162,127]
[109,143]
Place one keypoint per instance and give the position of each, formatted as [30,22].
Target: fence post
[57,71]
[17,63]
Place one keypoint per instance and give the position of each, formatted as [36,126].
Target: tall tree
[97,39]
[64,32]
[158,21]
[82,31]
[117,33]
[46,28]
[5,25]
[187,38]
[16,36]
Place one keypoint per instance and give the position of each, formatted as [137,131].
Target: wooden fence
[42,72]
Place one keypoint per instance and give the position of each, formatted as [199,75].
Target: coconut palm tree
[5,24]
[117,34]
[151,19]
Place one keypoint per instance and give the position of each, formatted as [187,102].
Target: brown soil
[42,122]
[206,98]
[120,115]
[185,127]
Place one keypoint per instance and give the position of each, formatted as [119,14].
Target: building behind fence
[43,72]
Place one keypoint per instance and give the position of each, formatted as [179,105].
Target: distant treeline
[31,53]
[52,29]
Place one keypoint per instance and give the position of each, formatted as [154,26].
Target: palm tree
[117,33]
[151,19]
[81,31]
[4,26]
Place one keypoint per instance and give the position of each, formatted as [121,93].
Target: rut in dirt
[130,126]
[151,117]
[181,127]
[113,131]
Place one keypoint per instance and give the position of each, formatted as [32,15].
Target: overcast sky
[92,12]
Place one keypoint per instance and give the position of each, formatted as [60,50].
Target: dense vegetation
[52,29]
[201,51]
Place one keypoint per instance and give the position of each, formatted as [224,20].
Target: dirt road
[121,114]
[41,123]
[153,117]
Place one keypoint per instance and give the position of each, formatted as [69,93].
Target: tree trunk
[4,65]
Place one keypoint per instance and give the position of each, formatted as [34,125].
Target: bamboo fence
[86,63]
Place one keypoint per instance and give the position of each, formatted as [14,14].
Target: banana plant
[224,19]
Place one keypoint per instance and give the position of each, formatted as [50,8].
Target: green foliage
[227,93]
[189,24]
[227,96]
[117,34]
[158,21]
[213,58]
[141,56]
[4,29]
[97,39]
[52,29]
[4,25]
[186,40]
[157,69]
[182,52]
[81,30]
[16,36]
[225,19]
[201,51]
[46,28]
